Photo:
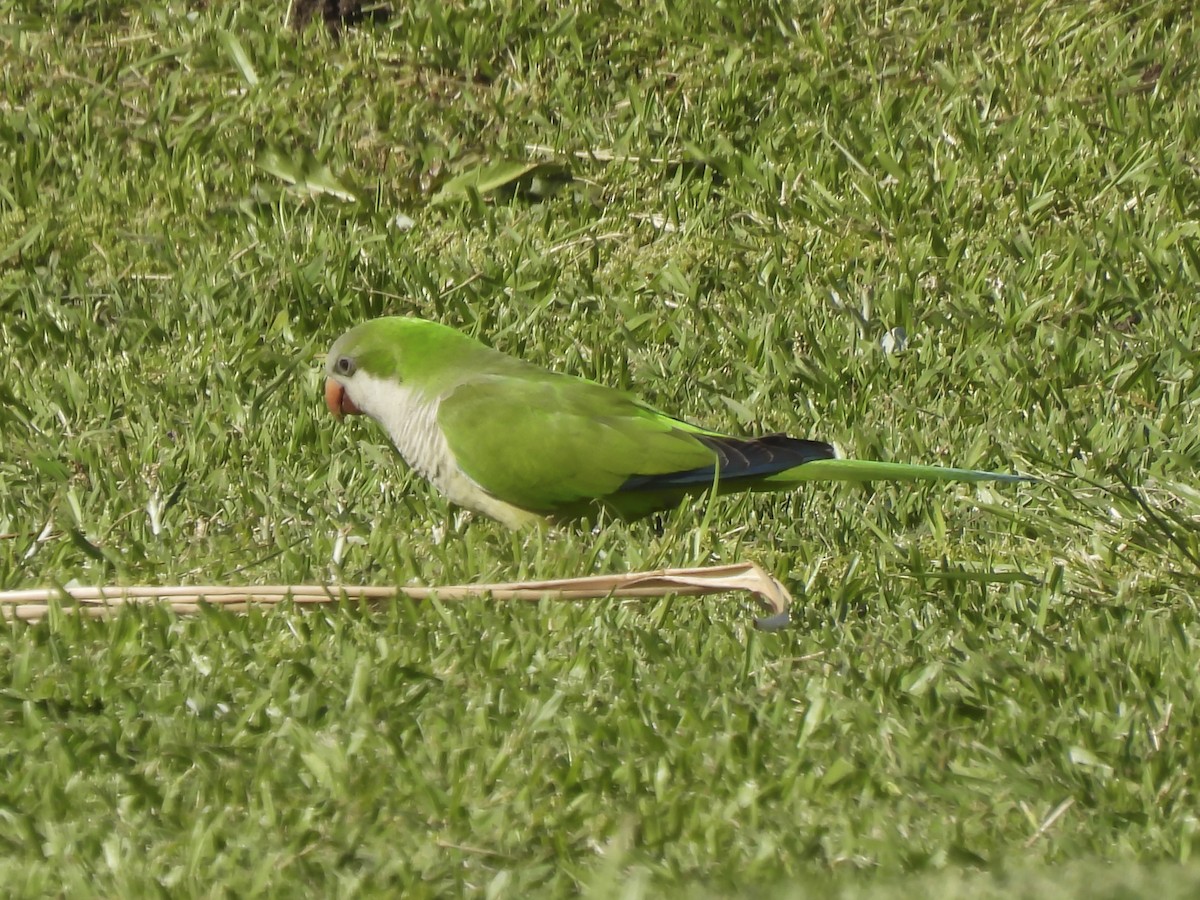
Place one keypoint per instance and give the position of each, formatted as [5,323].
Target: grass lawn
[955,233]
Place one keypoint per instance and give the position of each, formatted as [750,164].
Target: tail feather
[869,470]
[776,460]
[740,459]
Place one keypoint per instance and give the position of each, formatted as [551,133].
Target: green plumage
[555,445]
[548,443]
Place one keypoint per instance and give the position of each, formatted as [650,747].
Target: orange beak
[339,401]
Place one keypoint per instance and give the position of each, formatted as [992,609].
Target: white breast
[410,419]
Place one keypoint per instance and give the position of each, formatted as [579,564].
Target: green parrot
[522,444]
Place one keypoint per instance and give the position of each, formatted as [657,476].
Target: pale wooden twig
[32,605]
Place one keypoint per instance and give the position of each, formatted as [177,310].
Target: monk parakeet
[520,443]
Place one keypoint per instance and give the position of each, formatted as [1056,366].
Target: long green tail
[869,470]
[640,502]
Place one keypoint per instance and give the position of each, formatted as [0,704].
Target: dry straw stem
[33,605]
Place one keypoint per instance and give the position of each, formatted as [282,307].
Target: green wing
[551,443]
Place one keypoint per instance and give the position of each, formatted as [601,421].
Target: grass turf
[194,203]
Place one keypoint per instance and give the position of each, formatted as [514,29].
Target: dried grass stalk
[33,605]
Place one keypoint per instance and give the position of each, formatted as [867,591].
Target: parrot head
[369,363]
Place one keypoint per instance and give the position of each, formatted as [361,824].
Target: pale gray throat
[410,419]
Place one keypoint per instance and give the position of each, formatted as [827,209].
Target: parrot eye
[344,366]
